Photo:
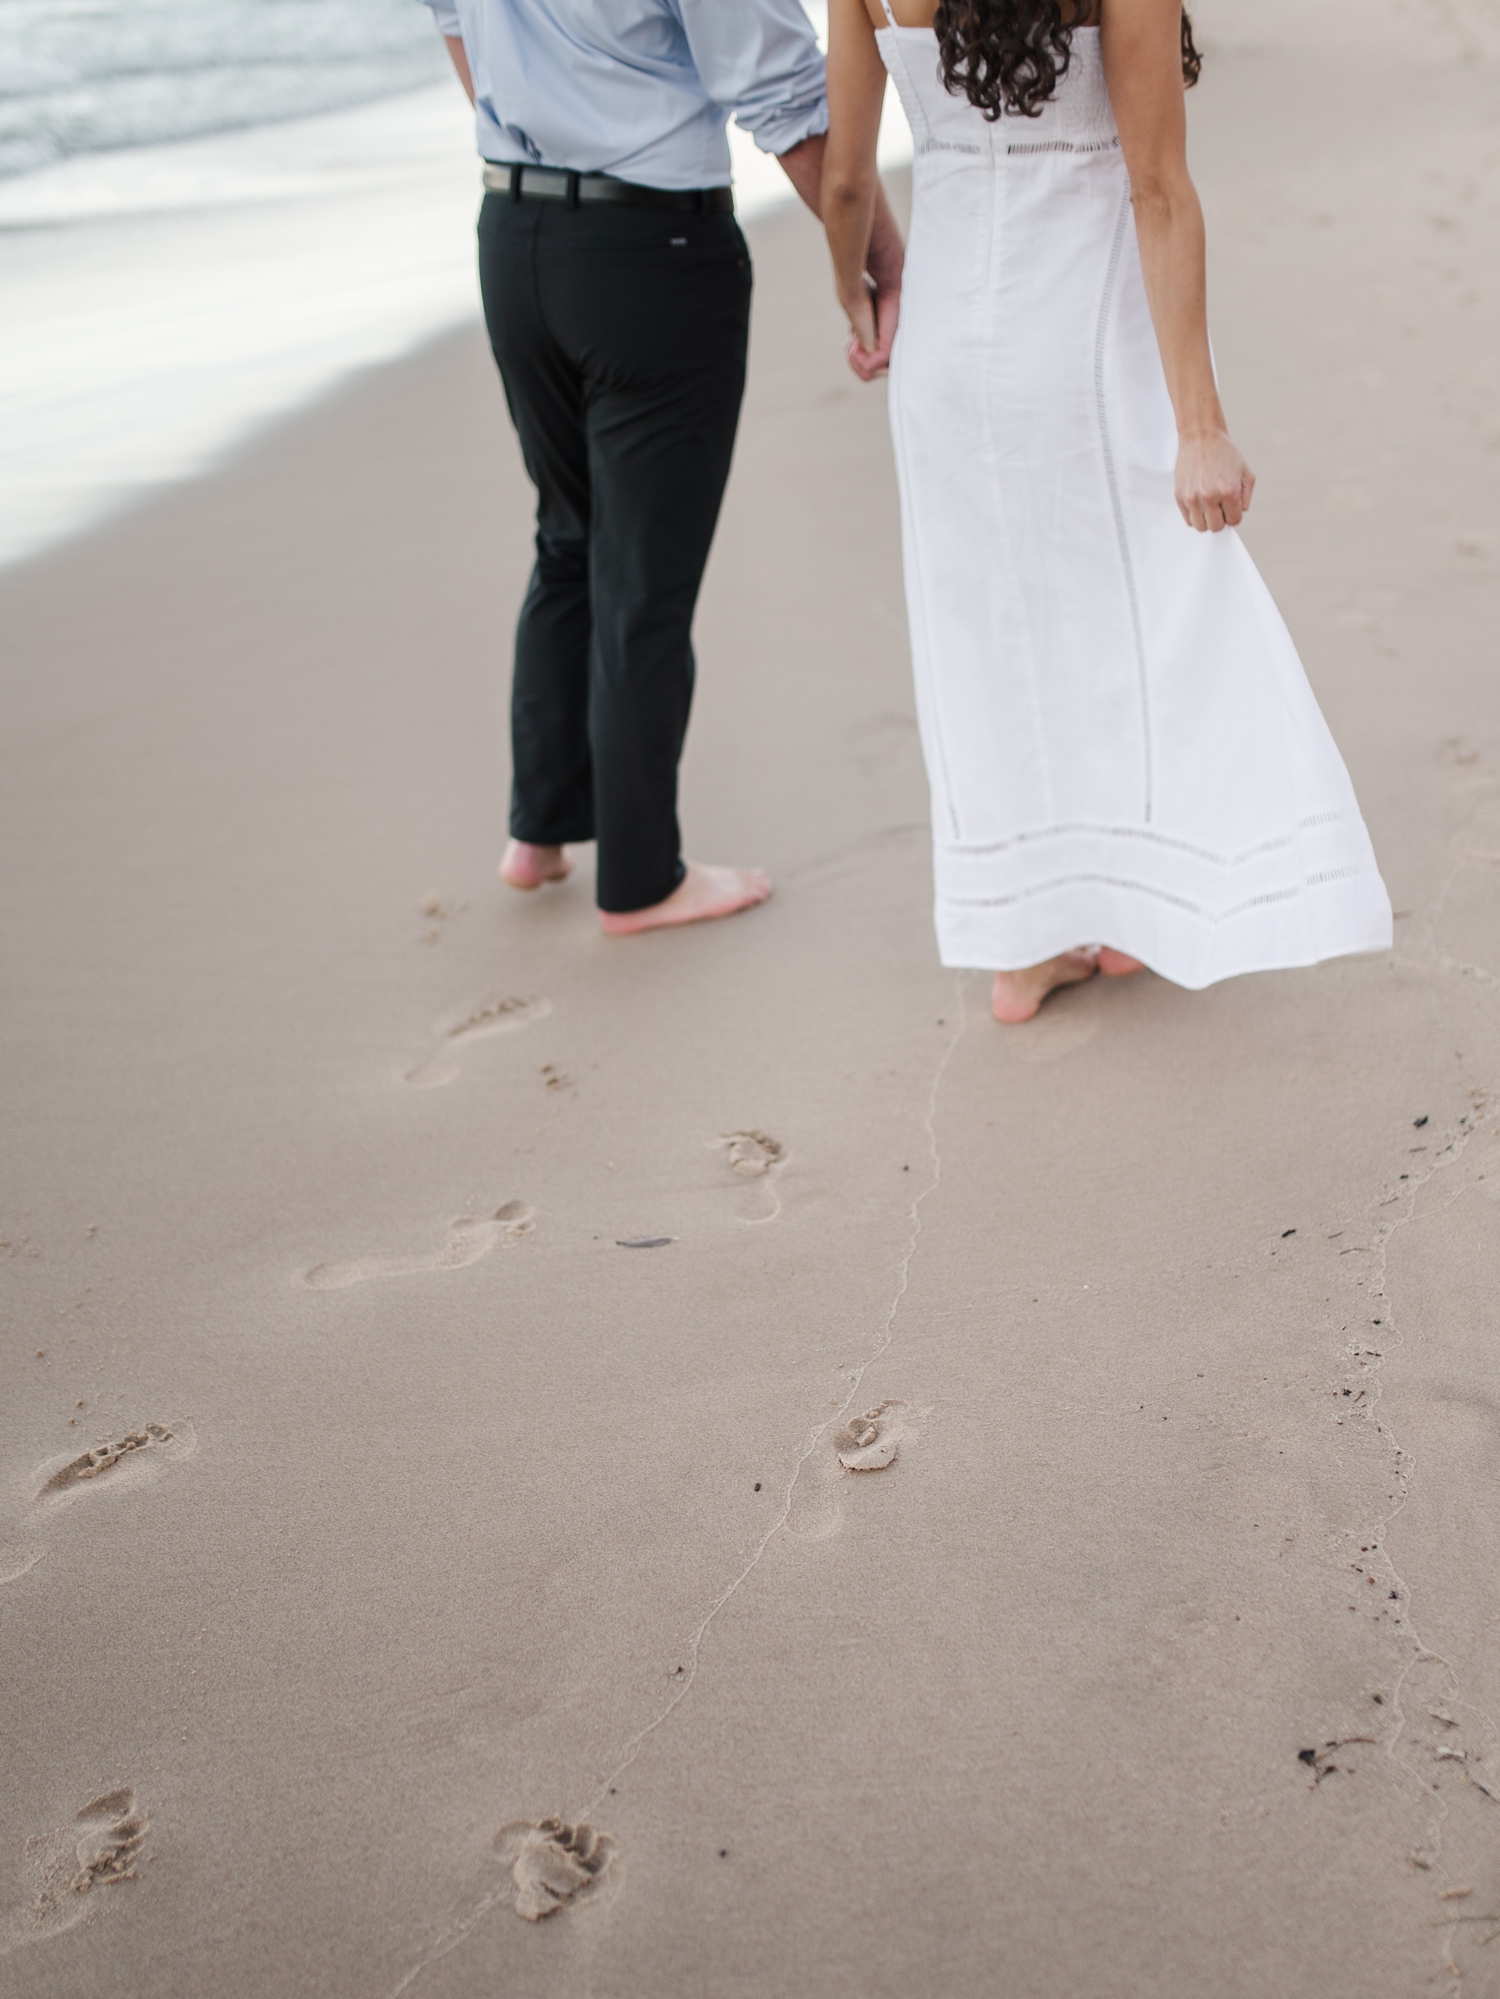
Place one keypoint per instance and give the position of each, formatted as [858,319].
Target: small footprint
[869,1442]
[137,1458]
[755,1155]
[115,1831]
[432,1075]
[492,1016]
[554,1864]
[437,912]
[469,1239]
[117,1460]
[504,1015]
[63,1868]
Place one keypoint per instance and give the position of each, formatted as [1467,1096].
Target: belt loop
[573,190]
[515,183]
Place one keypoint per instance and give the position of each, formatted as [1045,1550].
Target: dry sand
[1160,1660]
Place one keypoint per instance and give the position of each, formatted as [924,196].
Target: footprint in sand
[555,1865]
[432,1075]
[506,1014]
[755,1156]
[870,1442]
[63,1868]
[111,1463]
[866,1443]
[469,1238]
[116,1461]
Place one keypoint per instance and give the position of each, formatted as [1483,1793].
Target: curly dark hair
[1007,55]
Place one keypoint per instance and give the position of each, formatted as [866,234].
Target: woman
[1127,764]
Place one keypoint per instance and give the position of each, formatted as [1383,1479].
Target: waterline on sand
[165,302]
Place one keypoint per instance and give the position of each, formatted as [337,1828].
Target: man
[616,290]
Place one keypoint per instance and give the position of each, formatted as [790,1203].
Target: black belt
[557,184]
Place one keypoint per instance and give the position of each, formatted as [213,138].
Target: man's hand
[874,310]
[874,313]
[872,325]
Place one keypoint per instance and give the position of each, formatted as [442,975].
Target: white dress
[1121,743]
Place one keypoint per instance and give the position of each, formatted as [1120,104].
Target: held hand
[872,328]
[1214,484]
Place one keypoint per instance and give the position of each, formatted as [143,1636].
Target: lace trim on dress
[1063,146]
[1156,839]
[1322,880]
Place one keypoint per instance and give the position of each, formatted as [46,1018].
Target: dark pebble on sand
[643,1241]
[1417,1123]
[757,1485]
[1307,1755]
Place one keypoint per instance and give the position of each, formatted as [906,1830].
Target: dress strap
[890,13]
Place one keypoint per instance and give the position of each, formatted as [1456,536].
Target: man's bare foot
[703,892]
[525,866]
[1115,964]
[1016,996]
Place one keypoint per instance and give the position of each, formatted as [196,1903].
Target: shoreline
[248,274]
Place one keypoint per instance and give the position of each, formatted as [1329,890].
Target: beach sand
[1152,1654]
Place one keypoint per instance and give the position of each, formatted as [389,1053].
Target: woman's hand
[1214,483]
[872,314]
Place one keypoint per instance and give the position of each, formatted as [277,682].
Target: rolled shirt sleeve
[445,13]
[641,89]
[760,60]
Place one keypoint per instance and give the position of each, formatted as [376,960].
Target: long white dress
[1121,743]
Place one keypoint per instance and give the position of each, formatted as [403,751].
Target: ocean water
[211,211]
[91,76]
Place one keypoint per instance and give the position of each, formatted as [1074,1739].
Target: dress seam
[1116,499]
[922,595]
[1024,638]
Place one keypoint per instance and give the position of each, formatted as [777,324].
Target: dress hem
[1349,918]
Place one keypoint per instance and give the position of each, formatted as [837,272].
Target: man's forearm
[803,167]
[461,64]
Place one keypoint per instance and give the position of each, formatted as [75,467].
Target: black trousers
[620,335]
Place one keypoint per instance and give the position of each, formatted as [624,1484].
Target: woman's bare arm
[1142,48]
[862,236]
[804,168]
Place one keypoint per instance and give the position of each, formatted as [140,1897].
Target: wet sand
[1152,1654]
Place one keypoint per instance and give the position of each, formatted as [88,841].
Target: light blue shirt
[641,89]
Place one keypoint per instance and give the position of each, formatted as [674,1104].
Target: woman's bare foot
[525,866]
[703,892]
[1016,996]
[1115,964]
